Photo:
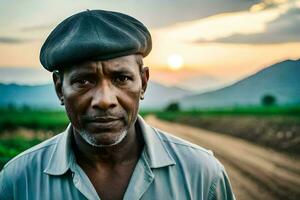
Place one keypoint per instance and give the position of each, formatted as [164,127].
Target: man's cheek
[73,114]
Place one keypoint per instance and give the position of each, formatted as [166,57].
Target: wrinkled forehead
[120,64]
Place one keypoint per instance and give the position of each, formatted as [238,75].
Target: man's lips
[103,119]
[103,122]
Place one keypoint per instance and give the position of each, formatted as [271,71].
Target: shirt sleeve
[220,188]
[5,186]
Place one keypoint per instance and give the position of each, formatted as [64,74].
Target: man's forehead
[126,63]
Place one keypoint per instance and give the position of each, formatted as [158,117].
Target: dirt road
[255,172]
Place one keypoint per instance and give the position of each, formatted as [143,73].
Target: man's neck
[127,151]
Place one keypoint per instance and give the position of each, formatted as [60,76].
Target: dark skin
[101,99]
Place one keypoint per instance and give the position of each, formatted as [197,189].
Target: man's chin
[103,139]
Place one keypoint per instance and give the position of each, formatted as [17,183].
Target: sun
[175,61]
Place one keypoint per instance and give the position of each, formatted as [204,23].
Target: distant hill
[202,83]
[43,96]
[281,80]
[159,96]
[40,96]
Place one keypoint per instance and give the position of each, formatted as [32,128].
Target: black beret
[94,35]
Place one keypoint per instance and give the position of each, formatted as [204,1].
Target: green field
[13,122]
[268,111]
[32,119]
[57,120]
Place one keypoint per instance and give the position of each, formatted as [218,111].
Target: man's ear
[145,78]
[57,80]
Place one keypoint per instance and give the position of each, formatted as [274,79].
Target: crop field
[32,119]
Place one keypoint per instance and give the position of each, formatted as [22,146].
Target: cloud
[268,4]
[283,29]
[13,40]
[159,13]
[154,13]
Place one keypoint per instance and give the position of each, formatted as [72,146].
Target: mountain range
[281,80]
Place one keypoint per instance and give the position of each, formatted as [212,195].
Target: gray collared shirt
[169,168]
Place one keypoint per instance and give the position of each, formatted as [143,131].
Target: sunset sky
[220,40]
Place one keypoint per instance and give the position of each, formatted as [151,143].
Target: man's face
[102,98]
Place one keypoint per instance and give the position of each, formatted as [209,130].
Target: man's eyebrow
[81,73]
[121,69]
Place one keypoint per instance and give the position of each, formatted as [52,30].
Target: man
[108,151]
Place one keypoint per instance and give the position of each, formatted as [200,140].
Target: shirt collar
[157,153]
[63,156]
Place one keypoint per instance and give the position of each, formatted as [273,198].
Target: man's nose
[104,97]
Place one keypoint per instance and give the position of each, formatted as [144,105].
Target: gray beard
[92,140]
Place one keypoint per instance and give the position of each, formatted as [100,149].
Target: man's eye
[122,79]
[82,82]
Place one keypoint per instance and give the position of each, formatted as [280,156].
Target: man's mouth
[103,119]
[103,122]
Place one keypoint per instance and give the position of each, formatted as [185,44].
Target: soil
[281,133]
[255,172]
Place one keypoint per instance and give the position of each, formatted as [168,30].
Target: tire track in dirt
[255,172]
